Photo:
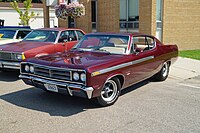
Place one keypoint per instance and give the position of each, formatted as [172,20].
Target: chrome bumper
[88,90]
[10,65]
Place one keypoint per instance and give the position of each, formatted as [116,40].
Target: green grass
[194,54]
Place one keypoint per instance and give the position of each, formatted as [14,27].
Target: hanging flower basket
[74,10]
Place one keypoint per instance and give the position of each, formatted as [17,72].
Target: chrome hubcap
[165,69]
[109,91]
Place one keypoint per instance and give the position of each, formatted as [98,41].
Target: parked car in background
[101,65]
[9,35]
[37,43]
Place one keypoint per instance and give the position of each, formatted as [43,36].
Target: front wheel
[110,92]
[163,73]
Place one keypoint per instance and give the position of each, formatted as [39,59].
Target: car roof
[17,27]
[121,33]
[14,29]
[58,29]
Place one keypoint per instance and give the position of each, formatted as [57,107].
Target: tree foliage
[24,14]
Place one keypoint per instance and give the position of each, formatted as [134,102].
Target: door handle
[63,44]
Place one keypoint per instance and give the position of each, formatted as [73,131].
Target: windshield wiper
[102,50]
[78,49]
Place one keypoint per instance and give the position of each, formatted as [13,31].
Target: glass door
[159,16]
[94,15]
[129,15]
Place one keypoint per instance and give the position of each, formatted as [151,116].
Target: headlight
[76,76]
[27,68]
[31,69]
[83,77]
[19,57]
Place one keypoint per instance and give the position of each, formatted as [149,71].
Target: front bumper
[9,65]
[71,89]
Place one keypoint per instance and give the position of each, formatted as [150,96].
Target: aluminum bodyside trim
[121,66]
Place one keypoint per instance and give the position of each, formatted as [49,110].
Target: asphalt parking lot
[169,106]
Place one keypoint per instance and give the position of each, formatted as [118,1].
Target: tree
[24,15]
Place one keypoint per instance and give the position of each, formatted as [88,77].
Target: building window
[129,15]
[159,9]
[159,13]
[94,15]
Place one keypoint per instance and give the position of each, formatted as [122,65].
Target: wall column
[108,14]
[85,22]
[147,17]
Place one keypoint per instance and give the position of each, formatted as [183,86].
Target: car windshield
[42,36]
[7,34]
[115,44]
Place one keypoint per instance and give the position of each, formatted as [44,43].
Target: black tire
[110,92]
[163,73]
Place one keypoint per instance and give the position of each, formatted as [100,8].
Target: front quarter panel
[47,49]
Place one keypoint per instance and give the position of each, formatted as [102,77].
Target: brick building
[172,21]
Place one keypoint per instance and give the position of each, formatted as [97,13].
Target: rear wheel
[163,73]
[110,92]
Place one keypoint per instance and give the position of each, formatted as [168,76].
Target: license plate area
[51,87]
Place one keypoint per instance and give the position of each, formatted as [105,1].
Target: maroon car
[101,65]
[37,43]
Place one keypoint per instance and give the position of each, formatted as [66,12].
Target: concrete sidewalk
[185,68]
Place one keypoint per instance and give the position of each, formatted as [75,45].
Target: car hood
[21,46]
[5,41]
[77,60]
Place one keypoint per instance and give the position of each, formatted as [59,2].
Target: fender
[114,75]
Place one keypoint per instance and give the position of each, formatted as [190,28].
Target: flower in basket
[74,10]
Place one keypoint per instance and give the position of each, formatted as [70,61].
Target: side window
[72,35]
[69,35]
[63,36]
[139,44]
[150,43]
[143,43]
[22,34]
[80,34]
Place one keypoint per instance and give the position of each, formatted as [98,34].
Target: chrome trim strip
[88,90]
[122,65]
[142,60]
[11,65]
[115,67]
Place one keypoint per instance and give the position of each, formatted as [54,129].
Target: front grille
[6,56]
[52,73]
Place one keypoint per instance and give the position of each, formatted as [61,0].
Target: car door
[144,63]
[66,40]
